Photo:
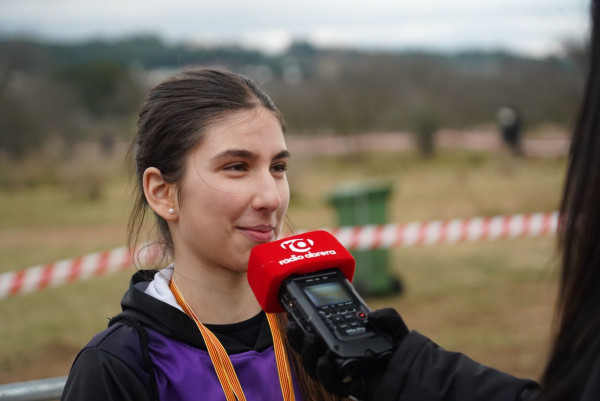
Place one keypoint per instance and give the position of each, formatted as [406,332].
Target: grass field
[491,300]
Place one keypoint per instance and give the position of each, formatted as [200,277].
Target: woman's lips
[258,233]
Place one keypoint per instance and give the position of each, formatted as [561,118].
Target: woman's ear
[161,195]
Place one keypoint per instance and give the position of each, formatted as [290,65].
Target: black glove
[320,367]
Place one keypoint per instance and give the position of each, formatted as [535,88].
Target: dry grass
[491,300]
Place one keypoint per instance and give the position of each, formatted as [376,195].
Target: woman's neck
[217,296]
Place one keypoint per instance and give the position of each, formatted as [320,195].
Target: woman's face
[234,193]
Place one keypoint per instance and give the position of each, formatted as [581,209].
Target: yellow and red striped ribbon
[283,367]
[222,364]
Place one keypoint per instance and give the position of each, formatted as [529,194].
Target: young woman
[210,164]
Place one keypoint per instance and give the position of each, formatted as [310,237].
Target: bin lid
[349,190]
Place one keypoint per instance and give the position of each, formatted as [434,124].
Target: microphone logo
[302,246]
[298,245]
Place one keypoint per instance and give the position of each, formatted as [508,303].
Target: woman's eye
[236,167]
[279,168]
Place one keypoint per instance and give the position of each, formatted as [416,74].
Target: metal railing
[34,390]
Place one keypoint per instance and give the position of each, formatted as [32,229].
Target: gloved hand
[321,368]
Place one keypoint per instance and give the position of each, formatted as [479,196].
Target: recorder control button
[337,319]
[343,326]
[361,315]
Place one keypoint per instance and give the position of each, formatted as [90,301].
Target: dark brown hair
[576,346]
[173,120]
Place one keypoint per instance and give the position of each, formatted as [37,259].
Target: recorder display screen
[327,294]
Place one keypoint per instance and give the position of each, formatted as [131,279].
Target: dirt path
[555,145]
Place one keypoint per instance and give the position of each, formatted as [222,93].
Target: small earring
[171,211]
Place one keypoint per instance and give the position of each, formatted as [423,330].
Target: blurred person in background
[210,168]
[510,124]
[422,371]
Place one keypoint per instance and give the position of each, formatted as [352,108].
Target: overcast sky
[536,27]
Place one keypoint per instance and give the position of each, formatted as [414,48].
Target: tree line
[72,92]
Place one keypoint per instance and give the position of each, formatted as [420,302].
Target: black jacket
[143,353]
[420,370]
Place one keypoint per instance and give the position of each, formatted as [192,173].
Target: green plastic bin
[363,203]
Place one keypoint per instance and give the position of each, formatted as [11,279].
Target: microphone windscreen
[272,262]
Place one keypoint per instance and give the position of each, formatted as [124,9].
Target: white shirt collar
[159,287]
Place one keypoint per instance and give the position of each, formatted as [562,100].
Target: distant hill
[97,84]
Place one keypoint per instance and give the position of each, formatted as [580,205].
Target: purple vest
[186,373]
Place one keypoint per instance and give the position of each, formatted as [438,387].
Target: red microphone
[272,262]
[308,275]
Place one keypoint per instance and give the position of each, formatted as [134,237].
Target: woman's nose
[267,193]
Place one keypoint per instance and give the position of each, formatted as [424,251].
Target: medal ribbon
[222,364]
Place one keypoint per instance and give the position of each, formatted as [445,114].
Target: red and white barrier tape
[446,232]
[355,238]
[66,271]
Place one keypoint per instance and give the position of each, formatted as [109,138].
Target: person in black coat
[420,370]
